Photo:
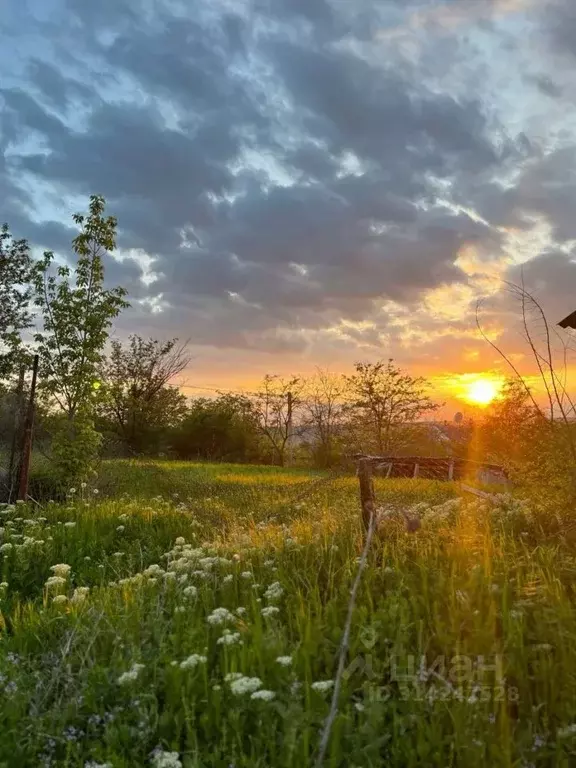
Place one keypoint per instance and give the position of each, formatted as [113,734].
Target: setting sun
[482,391]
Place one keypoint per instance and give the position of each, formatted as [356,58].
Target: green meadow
[177,614]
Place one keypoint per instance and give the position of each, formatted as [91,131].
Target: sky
[304,183]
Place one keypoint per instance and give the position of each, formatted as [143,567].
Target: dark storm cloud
[545,85]
[559,19]
[339,213]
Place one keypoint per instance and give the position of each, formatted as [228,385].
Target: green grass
[474,583]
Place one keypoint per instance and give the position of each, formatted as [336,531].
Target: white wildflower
[229,638]
[95,491]
[131,675]
[79,595]
[72,491]
[120,528]
[61,569]
[60,599]
[69,524]
[274,591]
[180,541]
[322,686]
[241,611]
[201,574]
[244,685]
[246,575]
[190,591]
[568,730]
[169,576]
[193,661]
[270,610]
[162,759]
[153,570]
[219,616]
[92,764]
[6,547]
[228,579]
[55,581]
[263,695]
[231,676]
[284,661]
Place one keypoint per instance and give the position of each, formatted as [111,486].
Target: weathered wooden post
[18,413]
[367,495]
[28,429]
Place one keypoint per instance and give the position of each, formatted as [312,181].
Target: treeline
[97,397]
[319,420]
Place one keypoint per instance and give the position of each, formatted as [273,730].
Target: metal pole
[27,443]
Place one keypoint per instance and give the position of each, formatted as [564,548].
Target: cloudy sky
[303,182]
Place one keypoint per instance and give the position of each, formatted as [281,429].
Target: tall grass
[476,583]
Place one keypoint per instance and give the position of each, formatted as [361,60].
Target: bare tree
[385,400]
[323,413]
[276,404]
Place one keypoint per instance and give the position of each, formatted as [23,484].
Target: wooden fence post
[367,496]
[17,424]
[27,445]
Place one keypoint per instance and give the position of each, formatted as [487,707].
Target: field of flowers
[202,627]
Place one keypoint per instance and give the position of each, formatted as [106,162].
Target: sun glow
[482,391]
[479,389]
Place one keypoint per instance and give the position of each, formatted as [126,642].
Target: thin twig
[345,643]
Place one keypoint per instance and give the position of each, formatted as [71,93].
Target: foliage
[382,400]
[534,449]
[138,404]
[138,663]
[77,312]
[223,429]
[15,294]
[74,448]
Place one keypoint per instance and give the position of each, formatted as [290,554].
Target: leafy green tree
[382,402]
[76,312]
[138,404]
[15,294]
[223,429]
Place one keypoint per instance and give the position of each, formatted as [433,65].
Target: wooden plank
[416,470]
[451,470]
[476,492]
